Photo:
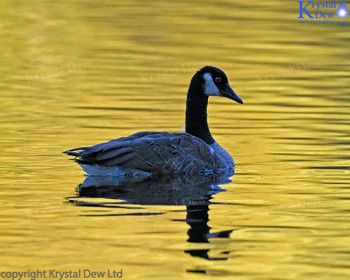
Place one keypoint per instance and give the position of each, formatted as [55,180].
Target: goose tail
[77,152]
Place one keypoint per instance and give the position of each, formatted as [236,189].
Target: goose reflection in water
[194,192]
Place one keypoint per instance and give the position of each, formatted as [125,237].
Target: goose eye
[218,79]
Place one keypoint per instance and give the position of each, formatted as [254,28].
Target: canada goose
[157,153]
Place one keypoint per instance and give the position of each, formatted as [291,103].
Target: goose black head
[215,83]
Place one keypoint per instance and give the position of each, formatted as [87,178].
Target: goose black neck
[196,111]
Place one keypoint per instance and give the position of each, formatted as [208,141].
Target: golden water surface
[76,73]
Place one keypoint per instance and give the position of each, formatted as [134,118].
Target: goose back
[153,152]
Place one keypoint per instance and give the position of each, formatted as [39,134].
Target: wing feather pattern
[155,152]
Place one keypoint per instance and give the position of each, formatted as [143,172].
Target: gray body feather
[156,153]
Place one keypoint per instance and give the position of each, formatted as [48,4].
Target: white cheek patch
[210,89]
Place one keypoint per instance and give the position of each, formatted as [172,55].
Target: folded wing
[155,152]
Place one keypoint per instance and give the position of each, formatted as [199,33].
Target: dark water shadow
[193,192]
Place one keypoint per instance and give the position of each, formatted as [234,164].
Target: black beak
[229,93]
